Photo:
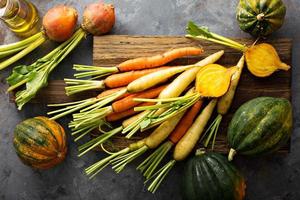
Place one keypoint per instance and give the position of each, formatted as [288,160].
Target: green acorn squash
[209,176]
[260,17]
[40,142]
[260,126]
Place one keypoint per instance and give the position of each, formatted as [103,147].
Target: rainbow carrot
[93,118]
[158,60]
[112,81]
[150,164]
[115,116]
[184,146]
[138,63]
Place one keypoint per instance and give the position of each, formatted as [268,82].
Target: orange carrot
[152,162]
[115,116]
[111,91]
[128,102]
[158,60]
[185,123]
[123,79]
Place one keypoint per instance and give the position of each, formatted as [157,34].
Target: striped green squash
[260,126]
[40,142]
[210,176]
[260,17]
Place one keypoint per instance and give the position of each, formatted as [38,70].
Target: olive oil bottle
[20,16]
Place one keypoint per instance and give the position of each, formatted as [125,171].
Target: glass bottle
[20,16]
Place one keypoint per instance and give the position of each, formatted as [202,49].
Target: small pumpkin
[209,176]
[260,126]
[213,80]
[40,142]
[260,17]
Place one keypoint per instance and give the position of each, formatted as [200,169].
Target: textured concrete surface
[272,178]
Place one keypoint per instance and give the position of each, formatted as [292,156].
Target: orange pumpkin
[40,142]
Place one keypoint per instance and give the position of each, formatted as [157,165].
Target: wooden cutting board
[113,49]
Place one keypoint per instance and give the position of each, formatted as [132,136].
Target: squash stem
[200,151]
[159,176]
[231,154]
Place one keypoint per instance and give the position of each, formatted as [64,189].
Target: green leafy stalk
[83,149]
[148,167]
[203,33]
[213,131]
[22,53]
[149,119]
[37,75]
[77,86]
[6,53]
[83,118]
[159,176]
[96,72]
[97,167]
[119,163]
[70,107]
[9,49]
[91,105]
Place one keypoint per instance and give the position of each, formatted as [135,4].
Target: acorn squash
[260,17]
[260,126]
[40,142]
[209,176]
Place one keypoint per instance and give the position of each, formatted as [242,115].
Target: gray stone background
[270,178]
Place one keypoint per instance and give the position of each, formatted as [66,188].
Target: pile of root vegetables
[172,103]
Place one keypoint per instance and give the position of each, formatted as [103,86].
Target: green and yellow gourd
[40,142]
[260,126]
[260,17]
[209,176]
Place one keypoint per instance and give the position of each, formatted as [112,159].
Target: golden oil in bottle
[20,16]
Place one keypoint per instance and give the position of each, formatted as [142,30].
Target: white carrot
[224,103]
[184,147]
[190,139]
[186,78]
[174,89]
[121,158]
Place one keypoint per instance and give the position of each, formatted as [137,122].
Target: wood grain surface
[113,49]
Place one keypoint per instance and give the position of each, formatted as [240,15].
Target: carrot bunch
[123,88]
[143,94]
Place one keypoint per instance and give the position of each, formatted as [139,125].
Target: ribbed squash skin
[260,17]
[211,176]
[40,142]
[260,126]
